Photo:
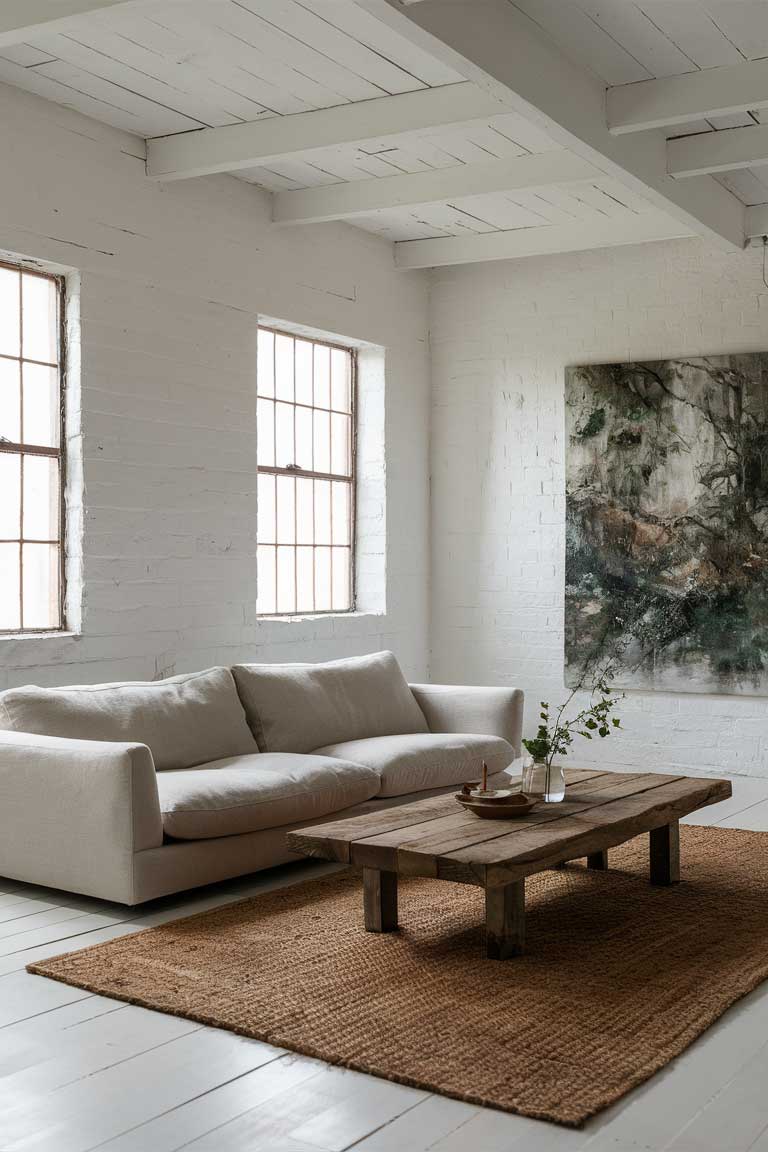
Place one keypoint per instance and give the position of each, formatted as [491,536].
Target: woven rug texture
[618,977]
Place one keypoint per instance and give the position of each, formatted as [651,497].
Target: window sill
[51,634]
[314,617]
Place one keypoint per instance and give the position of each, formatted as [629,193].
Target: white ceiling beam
[757,221]
[544,241]
[342,201]
[496,45]
[274,138]
[22,20]
[684,99]
[722,151]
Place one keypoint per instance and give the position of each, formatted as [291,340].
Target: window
[305,421]
[31,459]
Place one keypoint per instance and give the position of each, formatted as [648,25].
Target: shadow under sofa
[133,791]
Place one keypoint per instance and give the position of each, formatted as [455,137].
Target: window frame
[60,454]
[302,473]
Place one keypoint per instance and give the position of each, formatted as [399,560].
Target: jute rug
[618,978]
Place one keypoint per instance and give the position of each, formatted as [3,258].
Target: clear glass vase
[546,782]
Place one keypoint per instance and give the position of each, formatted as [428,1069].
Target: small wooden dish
[510,807]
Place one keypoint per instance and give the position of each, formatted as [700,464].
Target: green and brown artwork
[667,522]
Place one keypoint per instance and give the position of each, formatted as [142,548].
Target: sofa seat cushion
[248,793]
[184,720]
[423,760]
[298,707]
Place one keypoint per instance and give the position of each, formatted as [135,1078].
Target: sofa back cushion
[300,707]
[185,720]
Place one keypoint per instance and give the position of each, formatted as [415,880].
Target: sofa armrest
[459,708]
[74,812]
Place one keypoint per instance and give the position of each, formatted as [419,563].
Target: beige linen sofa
[133,791]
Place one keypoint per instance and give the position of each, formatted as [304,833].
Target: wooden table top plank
[445,839]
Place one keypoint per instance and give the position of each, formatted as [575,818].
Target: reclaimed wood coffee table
[436,837]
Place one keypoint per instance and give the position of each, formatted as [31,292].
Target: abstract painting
[667,523]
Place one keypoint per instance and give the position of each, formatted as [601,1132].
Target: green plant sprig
[554,736]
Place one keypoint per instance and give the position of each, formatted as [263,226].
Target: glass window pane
[42,418]
[39,318]
[303,372]
[286,510]
[10,400]
[40,579]
[322,511]
[340,579]
[265,365]
[10,496]
[284,367]
[322,376]
[41,498]
[305,533]
[305,582]
[266,559]
[323,597]
[265,511]
[304,438]
[265,433]
[285,449]
[340,379]
[286,580]
[9,312]
[322,440]
[341,517]
[10,576]
[340,454]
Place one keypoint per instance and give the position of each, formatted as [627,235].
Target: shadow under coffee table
[436,837]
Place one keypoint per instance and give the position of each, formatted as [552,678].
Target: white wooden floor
[81,1072]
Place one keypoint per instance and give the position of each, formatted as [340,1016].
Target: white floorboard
[80,1072]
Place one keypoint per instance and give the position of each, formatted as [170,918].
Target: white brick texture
[501,334]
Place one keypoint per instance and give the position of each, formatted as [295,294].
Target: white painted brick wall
[501,334]
[173,277]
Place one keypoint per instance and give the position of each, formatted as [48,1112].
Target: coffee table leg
[379,900]
[505,920]
[598,861]
[665,854]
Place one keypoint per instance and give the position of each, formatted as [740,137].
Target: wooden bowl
[510,808]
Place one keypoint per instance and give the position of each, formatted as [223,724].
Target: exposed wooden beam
[340,201]
[684,99]
[22,20]
[548,239]
[718,151]
[496,45]
[274,138]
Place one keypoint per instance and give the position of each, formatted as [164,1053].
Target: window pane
[286,580]
[10,575]
[322,376]
[265,433]
[323,580]
[265,511]
[341,518]
[322,440]
[305,532]
[285,448]
[41,498]
[304,438]
[340,455]
[266,602]
[322,511]
[303,372]
[41,586]
[10,496]
[10,400]
[265,366]
[284,367]
[340,589]
[9,312]
[41,405]
[286,511]
[340,379]
[39,319]
[305,595]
